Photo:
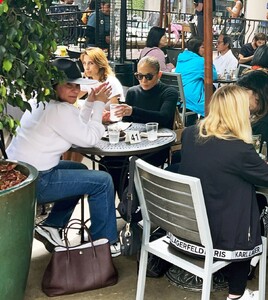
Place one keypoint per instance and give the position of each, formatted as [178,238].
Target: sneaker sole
[116,254]
[49,246]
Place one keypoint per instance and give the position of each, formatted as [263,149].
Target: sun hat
[72,71]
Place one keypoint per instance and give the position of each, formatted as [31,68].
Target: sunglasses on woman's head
[140,76]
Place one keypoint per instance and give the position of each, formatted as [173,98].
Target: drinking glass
[152,129]
[114,133]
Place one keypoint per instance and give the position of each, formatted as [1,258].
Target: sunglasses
[148,76]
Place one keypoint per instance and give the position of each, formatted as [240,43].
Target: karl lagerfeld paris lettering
[220,254]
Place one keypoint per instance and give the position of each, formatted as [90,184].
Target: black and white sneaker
[49,236]
[115,249]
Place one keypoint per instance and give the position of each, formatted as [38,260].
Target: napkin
[159,134]
[121,125]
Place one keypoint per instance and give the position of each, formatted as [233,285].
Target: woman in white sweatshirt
[45,134]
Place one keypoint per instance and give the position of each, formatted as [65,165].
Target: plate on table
[122,126]
[122,136]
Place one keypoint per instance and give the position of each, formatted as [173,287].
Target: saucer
[105,137]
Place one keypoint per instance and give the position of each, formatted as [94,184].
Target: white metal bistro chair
[175,203]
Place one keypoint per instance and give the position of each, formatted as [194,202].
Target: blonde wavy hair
[98,56]
[229,116]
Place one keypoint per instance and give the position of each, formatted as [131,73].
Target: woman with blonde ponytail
[219,151]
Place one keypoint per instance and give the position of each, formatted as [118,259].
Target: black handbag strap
[130,189]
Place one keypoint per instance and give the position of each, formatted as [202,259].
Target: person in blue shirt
[191,66]
[104,26]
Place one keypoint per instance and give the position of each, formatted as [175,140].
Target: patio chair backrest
[173,202]
[174,80]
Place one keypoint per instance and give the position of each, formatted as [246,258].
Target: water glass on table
[114,133]
[152,129]
[113,109]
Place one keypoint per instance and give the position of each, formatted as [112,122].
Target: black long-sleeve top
[155,105]
[228,170]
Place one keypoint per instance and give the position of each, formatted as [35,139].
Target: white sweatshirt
[47,132]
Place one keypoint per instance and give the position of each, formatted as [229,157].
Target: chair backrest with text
[175,203]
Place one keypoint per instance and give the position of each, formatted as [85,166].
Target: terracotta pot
[17,214]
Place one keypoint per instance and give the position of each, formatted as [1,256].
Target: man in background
[225,61]
[247,50]
[199,6]
[104,26]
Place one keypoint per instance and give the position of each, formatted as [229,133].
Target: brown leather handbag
[80,268]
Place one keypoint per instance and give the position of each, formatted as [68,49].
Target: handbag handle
[130,189]
[70,225]
[177,124]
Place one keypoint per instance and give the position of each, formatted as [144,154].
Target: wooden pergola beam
[208,43]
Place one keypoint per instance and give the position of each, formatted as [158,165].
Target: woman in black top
[256,82]
[150,101]
[219,151]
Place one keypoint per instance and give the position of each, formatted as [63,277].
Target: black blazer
[228,170]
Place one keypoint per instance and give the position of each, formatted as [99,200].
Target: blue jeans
[65,184]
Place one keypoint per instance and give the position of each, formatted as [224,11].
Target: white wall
[185,5]
[256,9]
[152,5]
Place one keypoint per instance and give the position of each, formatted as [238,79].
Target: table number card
[133,137]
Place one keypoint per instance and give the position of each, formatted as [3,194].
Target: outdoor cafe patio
[123,53]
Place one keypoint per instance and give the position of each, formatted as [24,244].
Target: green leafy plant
[27,39]
[138,4]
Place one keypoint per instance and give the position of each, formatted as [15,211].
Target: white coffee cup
[113,109]
[114,133]
[152,129]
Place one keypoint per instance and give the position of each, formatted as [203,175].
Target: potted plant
[27,39]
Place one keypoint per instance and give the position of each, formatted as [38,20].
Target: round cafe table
[104,148]
[226,81]
[118,154]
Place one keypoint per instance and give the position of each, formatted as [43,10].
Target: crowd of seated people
[152,100]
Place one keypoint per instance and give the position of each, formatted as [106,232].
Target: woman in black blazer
[257,84]
[219,151]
